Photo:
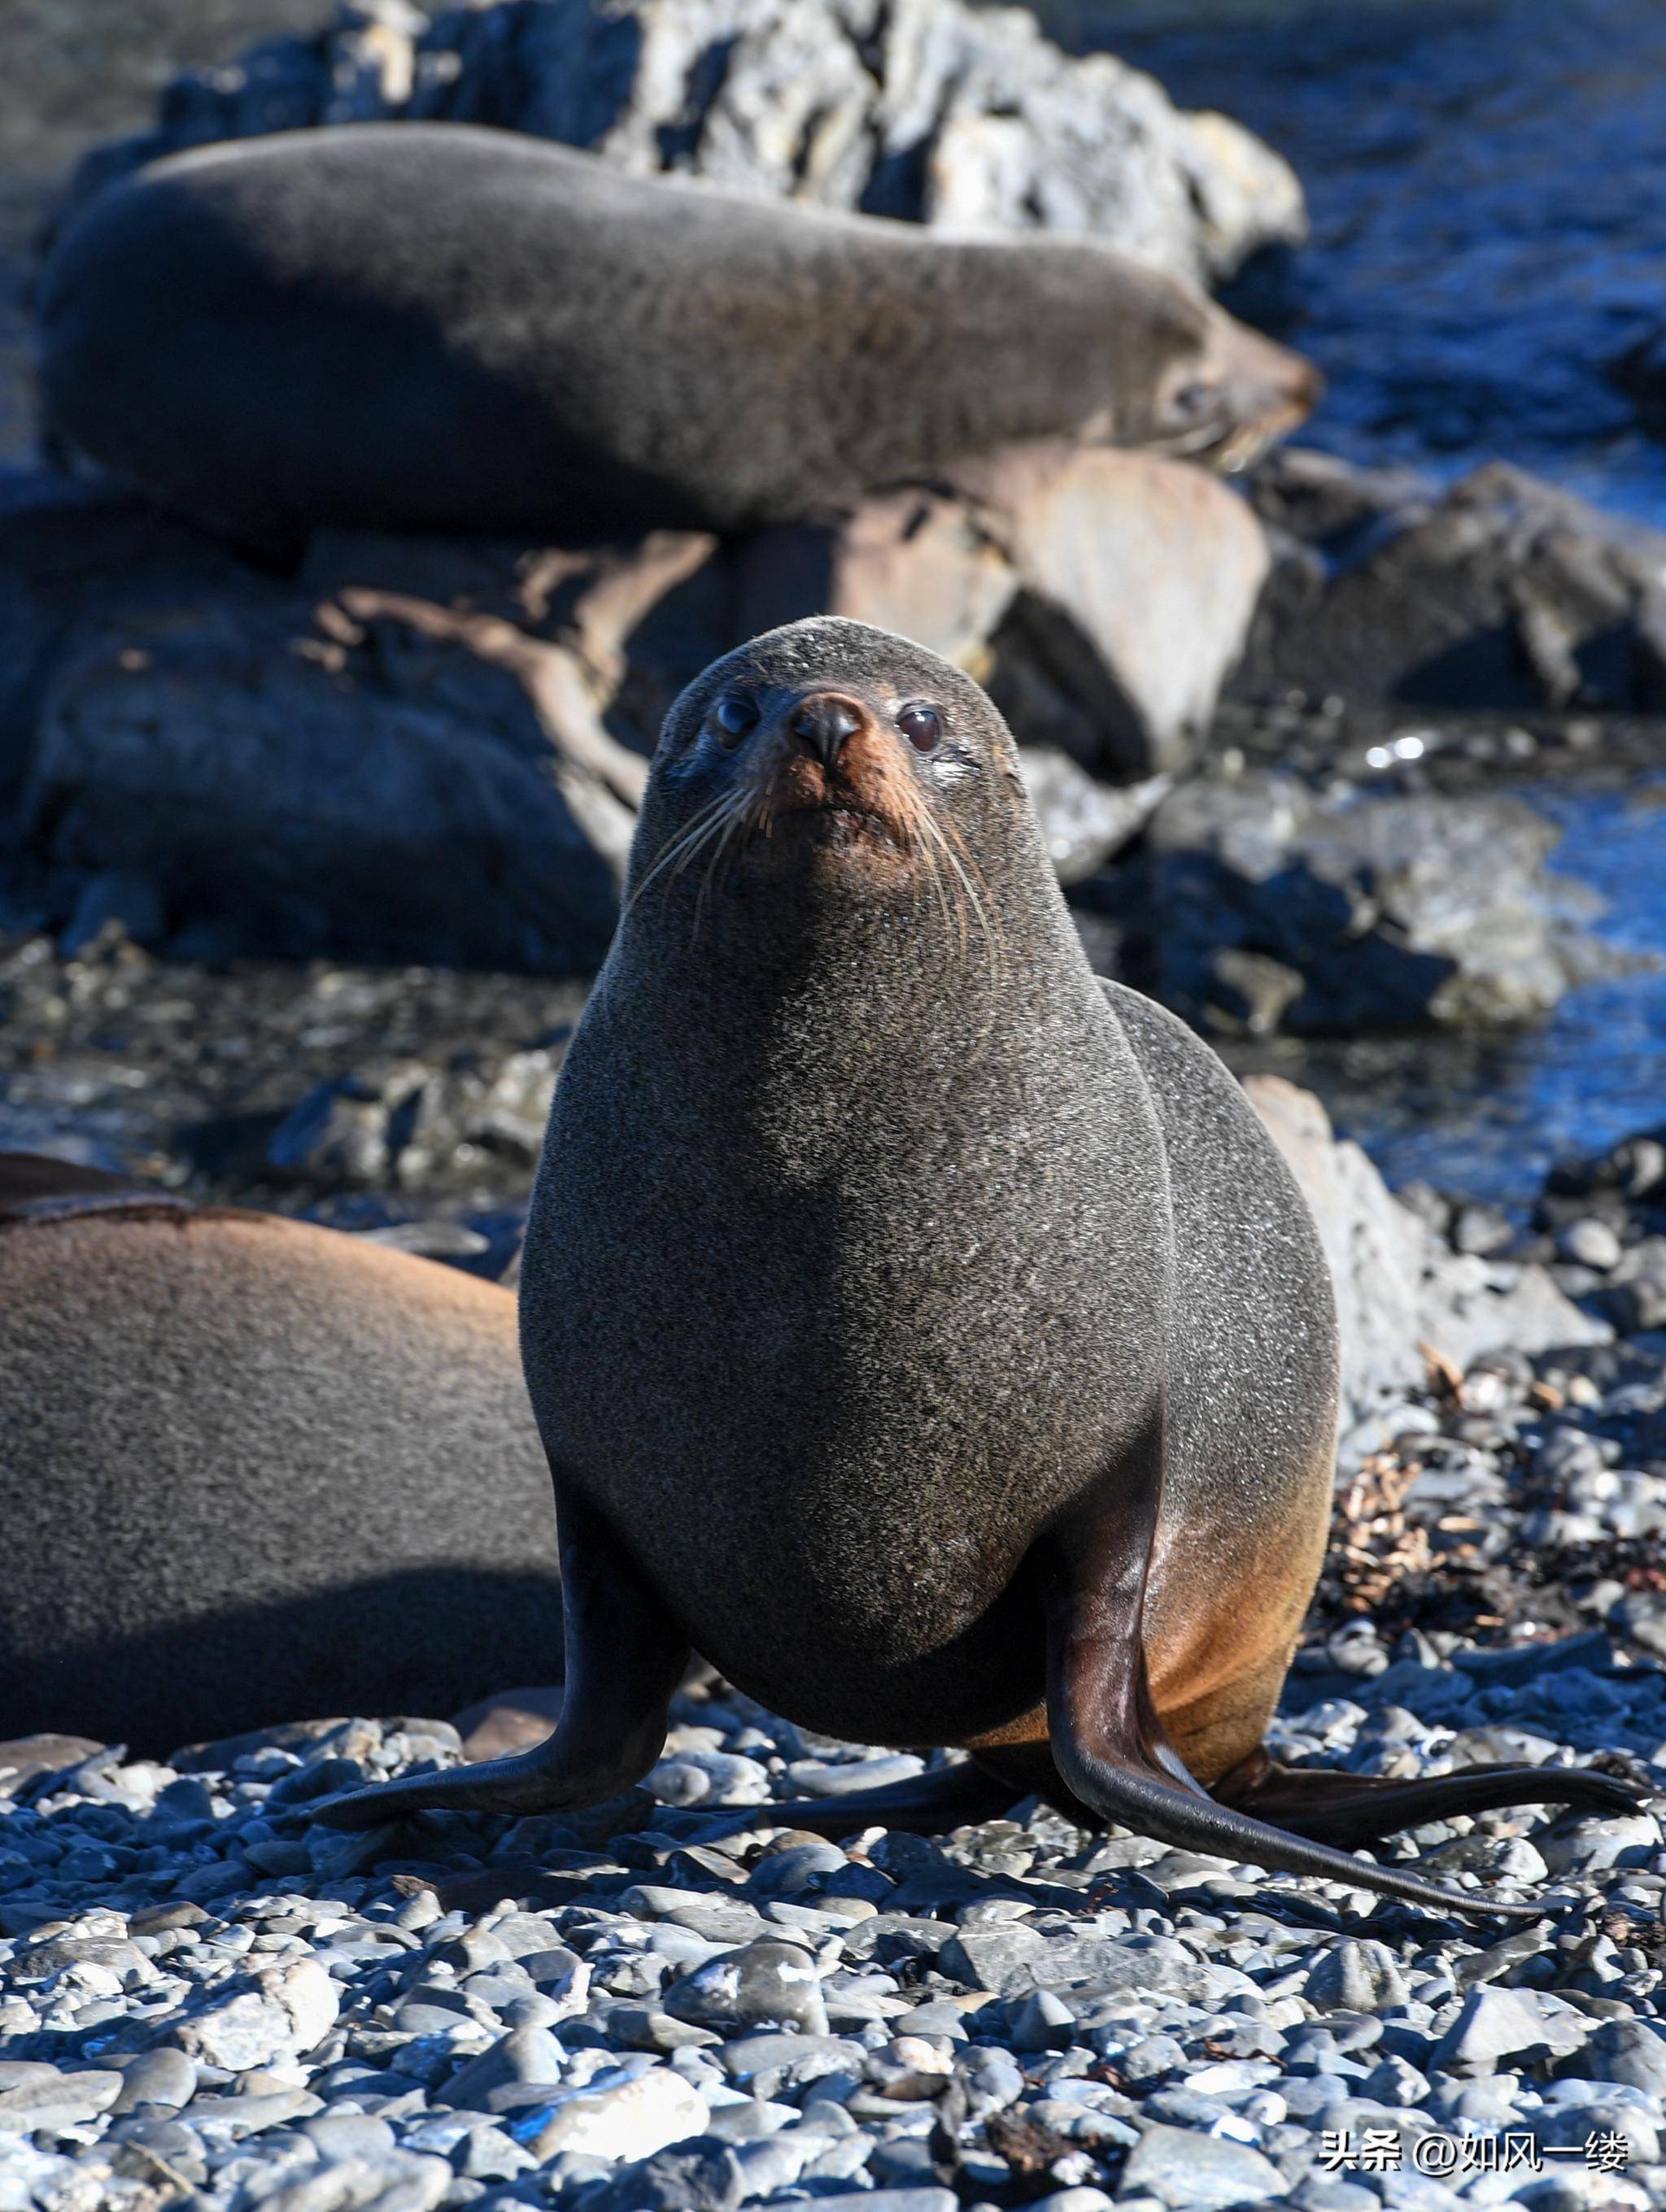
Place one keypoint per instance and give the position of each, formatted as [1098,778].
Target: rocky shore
[211,1999]
[302,878]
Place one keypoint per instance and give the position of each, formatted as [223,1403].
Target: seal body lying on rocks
[252,1471]
[441,327]
[926,1330]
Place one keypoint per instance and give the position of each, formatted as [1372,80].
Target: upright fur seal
[435,326]
[252,1471]
[926,1331]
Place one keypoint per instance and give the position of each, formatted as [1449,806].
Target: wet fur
[438,327]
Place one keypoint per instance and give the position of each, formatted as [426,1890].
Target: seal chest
[833,1302]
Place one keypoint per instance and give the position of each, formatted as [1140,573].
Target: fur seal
[252,1470]
[438,327]
[926,1331]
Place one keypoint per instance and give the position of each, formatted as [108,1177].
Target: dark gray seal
[928,1331]
[435,326]
[252,1471]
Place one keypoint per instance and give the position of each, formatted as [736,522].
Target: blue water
[1487,183]
[1486,1115]
[1487,187]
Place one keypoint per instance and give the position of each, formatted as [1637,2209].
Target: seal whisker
[689,835]
[734,818]
[972,881]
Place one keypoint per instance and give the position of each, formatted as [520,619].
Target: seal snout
[824,721]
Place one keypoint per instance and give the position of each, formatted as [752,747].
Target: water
[1486,1113]
[1487,186]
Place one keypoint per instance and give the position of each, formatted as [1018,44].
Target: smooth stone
[1629,2051]
[631,2119]
[701,2176]
[1183,2168]
[241,2116]
[807,2056]
[1500,2023]
[526,2054]
[822,1778]
[766,1981]
[347,2135]
[163,2076]
[57,2100]
[1356,1977]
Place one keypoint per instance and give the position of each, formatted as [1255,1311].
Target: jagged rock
[931,111]
[1268,906]
[1398,1287]
[1501,592]
[913,561]
[1084,823]
[207,749]
[239,763]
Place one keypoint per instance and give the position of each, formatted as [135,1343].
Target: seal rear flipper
[36,1188]
[625,1658]
[1108,1740]
[1347,1809]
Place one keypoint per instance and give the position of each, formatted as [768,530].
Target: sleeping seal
[252,1471]
[435,326]
[926,1330]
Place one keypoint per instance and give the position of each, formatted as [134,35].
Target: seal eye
[922,726]
[736,714]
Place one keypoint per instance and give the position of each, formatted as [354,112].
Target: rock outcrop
[929,110]
[1500,591]
[1402,1294]
[1261,904]
[429,751]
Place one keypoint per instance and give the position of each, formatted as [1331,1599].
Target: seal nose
[824,723]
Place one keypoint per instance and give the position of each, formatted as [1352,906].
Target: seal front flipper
[625,1657]
[1107,1739]
[1349,1810]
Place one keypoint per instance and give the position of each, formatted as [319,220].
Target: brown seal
[928,1331]
[253,1470]
[435,326]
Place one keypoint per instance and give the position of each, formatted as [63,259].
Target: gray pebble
[164,2076]
[1183,2168]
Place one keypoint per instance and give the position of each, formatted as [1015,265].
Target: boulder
[232,763]
[932,111]
[1398,1286]
[1500,591]
[1268,906]
[302,807]
[1103,596]
[1139,578]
